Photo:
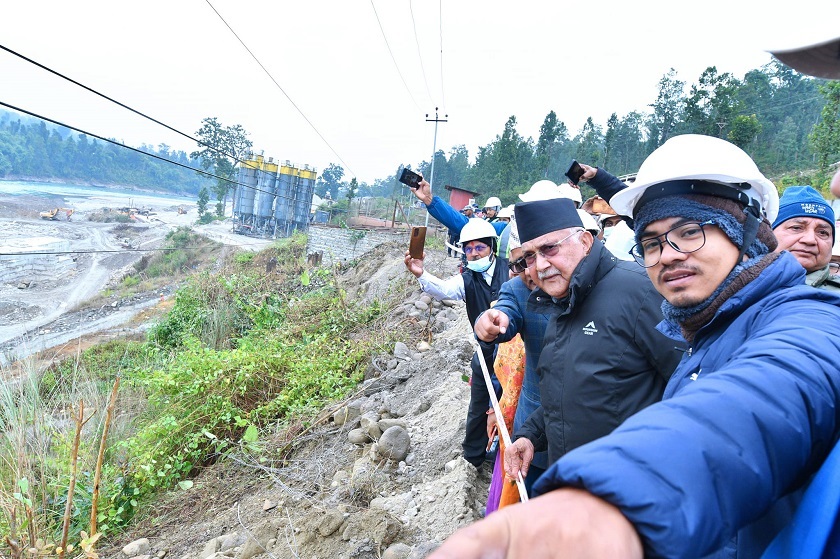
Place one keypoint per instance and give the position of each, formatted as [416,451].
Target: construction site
[276,199]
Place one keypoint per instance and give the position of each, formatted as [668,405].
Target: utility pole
[434,151]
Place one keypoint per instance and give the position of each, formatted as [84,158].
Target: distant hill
[32,148]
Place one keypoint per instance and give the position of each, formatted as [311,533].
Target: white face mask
[480,265]
[607,232]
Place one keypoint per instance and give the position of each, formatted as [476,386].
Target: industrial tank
[243,199]
[295,188]
[264,205]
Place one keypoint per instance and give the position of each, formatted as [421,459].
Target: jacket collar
[818,277]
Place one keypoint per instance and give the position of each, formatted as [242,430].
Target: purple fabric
[496,484]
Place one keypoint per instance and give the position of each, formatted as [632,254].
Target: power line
[267,73]
[397,66]
[420,56]
[92,135]
[135,111]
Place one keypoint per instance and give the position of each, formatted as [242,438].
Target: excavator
[53,213]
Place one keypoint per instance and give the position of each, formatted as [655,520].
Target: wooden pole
[98,475]
[500,421]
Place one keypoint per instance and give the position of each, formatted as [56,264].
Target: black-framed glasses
[684,238]
[548,251]
[517,266]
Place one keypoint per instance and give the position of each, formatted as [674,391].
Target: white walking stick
[500,421]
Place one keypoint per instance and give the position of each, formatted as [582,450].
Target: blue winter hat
[804,201]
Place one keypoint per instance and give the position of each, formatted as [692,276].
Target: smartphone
[575,172]
[417,242]
[410,178]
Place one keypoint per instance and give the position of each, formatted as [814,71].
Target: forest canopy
[31,148]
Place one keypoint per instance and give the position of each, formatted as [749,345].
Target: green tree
[712,105]
[590,142]
[667,109]
[224,146]
[203,199]
[744,130]
[551,131]
[352,190]
[330,181]
[825,138]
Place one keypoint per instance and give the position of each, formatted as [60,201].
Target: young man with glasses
[602,358]
[715,469]
[478,286]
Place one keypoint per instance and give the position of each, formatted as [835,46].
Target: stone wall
[343,244]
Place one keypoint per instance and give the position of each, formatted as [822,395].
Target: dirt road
[49,269]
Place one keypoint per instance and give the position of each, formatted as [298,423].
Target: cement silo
[295,188]
[264,206]
[303,200]
[284,204]
[243,198]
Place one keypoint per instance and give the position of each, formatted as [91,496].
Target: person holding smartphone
[749,415]
[445,213]
[478,286]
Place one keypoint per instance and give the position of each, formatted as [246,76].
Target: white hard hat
[477,228]
[493,202]
[570,192]
[507,212]
[603,217]
[714,163]
[541,190]
[588,222]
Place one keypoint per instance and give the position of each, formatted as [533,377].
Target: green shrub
[240,350]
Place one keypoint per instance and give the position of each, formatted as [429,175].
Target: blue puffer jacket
[453,219]
[748,416]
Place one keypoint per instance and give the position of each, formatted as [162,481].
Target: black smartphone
[575,172]
[410,178]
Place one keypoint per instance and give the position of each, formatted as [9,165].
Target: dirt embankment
[380,477]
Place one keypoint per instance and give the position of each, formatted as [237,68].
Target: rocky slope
[380,477]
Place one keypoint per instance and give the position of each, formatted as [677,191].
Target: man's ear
[587,240]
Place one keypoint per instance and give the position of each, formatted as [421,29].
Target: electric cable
[419,55]
[135,111]
[116,143]
[397,66]
[267,73]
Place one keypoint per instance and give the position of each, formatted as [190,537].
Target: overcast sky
[479,61]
